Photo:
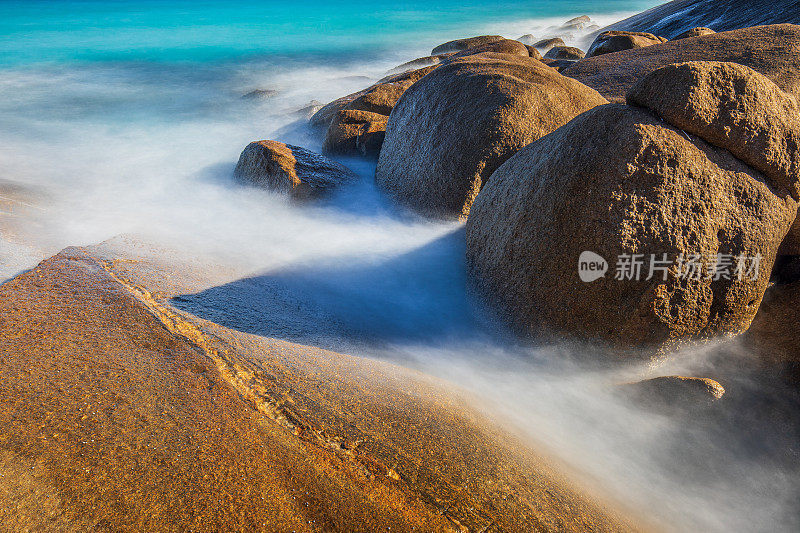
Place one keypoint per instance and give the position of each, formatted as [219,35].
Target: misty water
[128,118]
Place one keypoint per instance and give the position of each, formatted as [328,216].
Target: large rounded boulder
[616,41]
[731,106]
[622,229]
[453,128]
[774,335]
[459,45]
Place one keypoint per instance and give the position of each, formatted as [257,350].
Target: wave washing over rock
[343,332]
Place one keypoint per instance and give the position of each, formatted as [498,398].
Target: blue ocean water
[185,30]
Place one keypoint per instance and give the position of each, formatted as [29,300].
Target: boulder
[534,52]
[694,32]
[614,190]
[546,44]
[418,63]
[506,46]
[450,130]
[259,94]
[462,44]
[733,107]
[564,52]
[558,64]
[377,98]
[673,394]
[283,167]
[527,39]
[617,41]
[309,110]
[770,50]
[774,334]
[355,132]
[577,23]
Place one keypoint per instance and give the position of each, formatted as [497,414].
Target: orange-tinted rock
[462,44]
[283,167]
[694,32]
[616,41]
[456,125]
[119,413]
[770,50]
[355,132]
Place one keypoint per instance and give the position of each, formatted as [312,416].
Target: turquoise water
[41,30]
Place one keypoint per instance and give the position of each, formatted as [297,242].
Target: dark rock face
[673,18]
[770,50]
[450,130]
[459,45]
[775,332]
[694,32]
[616,41]
[791,244]
[283,167]
[618,181]
[564,52]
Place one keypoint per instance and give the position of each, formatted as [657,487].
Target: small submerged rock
[283,167]
[259,94]
[672,394]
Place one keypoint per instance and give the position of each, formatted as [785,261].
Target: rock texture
[673,18]
[462,44]
[617,41]
[356,124]
[770,50]
[450,131]
[546,44]
[283,167]
[420,62]
[775,332]
[505,46]
[733,107]
[619,181]
[694,32]
[355,132]
[564,52]
[791,244]
[673,394]
[119,413]
[377,98]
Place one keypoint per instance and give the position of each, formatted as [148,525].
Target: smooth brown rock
[546,44]
[120,413]
[450,130]
[733,107]
[533,52]
[770,50]
[618,181]
[506,46]
[616,41]
[378,98]
[694,32]
[418,63]
[462,44]
[284,167]
[355,132]
[673,394]
[774,334]
[564,52]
